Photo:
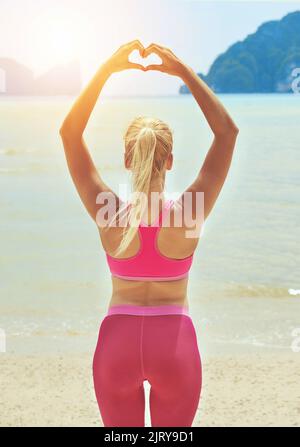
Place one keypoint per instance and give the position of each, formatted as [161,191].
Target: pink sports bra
[149,264]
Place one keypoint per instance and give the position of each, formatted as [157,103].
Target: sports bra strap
[165,211]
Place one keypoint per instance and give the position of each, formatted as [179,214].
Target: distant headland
[261,63]
[17,79]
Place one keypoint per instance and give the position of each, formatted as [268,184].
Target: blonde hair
[148,143]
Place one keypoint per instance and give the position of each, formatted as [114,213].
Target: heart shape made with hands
[136,58]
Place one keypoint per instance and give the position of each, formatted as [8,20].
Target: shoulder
[188,210]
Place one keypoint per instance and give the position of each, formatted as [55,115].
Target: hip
[160,331]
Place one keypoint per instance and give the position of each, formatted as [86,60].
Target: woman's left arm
[82,169]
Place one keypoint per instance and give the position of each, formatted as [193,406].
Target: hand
[170,63]
[119,60]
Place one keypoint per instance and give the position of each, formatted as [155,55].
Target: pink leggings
[153,343]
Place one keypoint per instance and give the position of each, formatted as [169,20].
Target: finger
[132,42]
[153,49]
[156,45]
[136,66]
[135,45]
[161,47]
[165,49]
[155,67]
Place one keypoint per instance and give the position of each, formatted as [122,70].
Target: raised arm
[86,178]
[213,172]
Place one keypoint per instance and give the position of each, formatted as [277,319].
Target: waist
[151,278]
[149,293]
[131,309]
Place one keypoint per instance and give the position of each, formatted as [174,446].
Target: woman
[148,333]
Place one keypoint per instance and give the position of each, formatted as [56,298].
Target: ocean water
[244,286]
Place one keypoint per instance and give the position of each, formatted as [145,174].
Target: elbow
[228,135]
[231,128]
[234,129]
[228,129]
[66,131]
[63,131]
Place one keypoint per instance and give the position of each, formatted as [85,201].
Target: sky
[43,33]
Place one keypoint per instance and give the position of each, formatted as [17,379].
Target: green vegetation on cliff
[262,63]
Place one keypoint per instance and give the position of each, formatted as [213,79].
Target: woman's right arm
[213,172]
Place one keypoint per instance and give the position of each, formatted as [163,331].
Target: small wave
[13,151]
[30,169]
[294,291]
[12,170]
[259,290]
[50,332]
[251,342]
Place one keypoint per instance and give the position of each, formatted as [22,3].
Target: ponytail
[148,142]
[142,156]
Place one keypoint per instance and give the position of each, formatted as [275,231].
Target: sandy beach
[257,390]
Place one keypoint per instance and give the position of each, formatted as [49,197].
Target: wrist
[185,71]
[106,67]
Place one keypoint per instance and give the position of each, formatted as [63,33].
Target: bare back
[172,242]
